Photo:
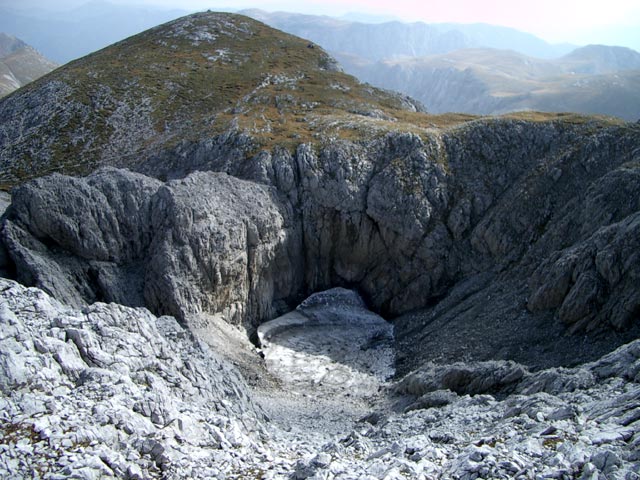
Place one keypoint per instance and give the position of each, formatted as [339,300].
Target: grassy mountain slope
[600,59]
[200,77]
[196,93]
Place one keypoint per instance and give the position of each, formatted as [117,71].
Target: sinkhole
[331,341]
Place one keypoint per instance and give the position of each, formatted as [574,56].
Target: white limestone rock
[111,391]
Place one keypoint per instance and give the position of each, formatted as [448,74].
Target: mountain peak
[9,44]
[197,77]
[19,64]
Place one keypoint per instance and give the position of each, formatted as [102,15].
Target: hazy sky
[575,21]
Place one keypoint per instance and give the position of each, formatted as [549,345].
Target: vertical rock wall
[403,219]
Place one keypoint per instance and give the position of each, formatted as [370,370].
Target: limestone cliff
[409,223]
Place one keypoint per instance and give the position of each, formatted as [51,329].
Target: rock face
[321,182]
[105,218]
[512,210]
[234,251]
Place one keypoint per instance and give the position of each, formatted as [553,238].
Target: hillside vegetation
[198,77]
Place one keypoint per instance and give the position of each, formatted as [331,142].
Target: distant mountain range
[19,64]
[396,39]
[479,69]
[592,79]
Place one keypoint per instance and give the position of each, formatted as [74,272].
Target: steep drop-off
[505,210]
[537,214]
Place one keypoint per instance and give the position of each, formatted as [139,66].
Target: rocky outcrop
[518,211]
[104,219]
[208,243]
[236,251]
[112,391]
[462,378]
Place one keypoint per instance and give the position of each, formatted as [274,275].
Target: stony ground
[114,392]
[441,421]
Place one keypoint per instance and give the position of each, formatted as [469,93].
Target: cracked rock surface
[111,391]
[115,392]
